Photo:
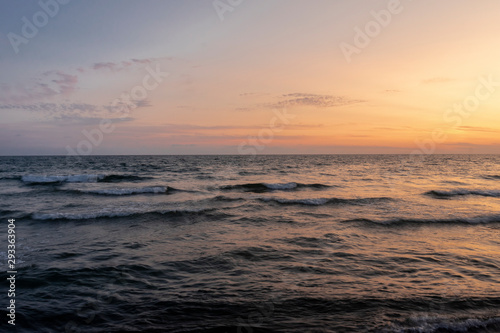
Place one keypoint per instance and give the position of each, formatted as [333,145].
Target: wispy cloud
[51,93]
[42,88]
[52,107]
[399,128]
[477,129]
[320,101]
[143,103]
[76,119]
[244,109]
[183,128]
[70,112]
[146,61]
[65,83]
[106,65]
[118,66]
[216,130]
[253,94]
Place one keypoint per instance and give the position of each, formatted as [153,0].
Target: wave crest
[129,191]
[85,178]
[457,220]
[463,192]
[113,214]
[267,187]
[492,177]
[325,201]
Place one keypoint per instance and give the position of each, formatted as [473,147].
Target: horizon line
[249,155]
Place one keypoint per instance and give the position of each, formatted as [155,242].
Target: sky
[249,77]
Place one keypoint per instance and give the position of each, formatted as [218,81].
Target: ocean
[291,243]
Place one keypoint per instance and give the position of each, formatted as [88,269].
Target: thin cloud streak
[314,100]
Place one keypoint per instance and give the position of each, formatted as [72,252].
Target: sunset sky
[249,76]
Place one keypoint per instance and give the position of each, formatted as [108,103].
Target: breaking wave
[130,191]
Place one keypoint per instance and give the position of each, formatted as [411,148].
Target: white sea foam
[280,186]
[128,191]
[80,216]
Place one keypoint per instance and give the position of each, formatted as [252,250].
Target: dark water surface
[340,243]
